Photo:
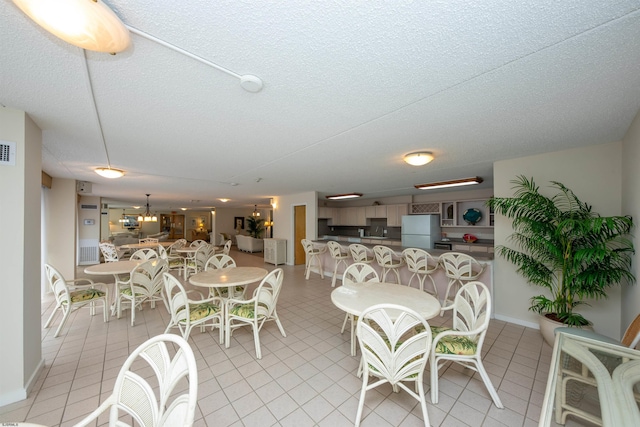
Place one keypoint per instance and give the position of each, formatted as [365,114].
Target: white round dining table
[229,277]
[357,297]
[151,245]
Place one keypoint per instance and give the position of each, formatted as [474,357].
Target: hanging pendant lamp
[147,216]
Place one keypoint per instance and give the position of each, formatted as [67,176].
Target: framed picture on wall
[238,223]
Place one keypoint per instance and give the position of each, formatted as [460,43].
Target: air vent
[7,153]
[88,206]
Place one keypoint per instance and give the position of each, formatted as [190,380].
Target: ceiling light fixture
[88,24]
[255,211]
[418,158]
[224,200]
[109,172]
[123,218]
[452,183]
[344,196]
[248,82]
[147,217]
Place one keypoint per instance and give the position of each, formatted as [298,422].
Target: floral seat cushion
[85,295]
[200,311]
[454,344]
[244,310]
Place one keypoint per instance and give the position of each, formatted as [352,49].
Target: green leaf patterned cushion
[85,295]
[127,291]
[453,344]
[176,263]
[243,310]
[200,311]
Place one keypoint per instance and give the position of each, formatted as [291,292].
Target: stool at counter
[386,259]
[340,256]
[459,269]
[360,253]
[421,264]
[313,254]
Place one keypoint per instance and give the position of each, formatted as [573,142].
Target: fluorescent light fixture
[418,158]
[224,200]
[109,172]
[345,196]
[88,24]
[452,183]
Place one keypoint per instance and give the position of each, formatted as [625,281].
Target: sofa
[249,244]
[162,236]
[124,238]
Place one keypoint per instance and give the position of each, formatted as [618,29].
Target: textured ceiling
[349,88]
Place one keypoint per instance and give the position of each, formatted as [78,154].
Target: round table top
[231,276]
[356,298]
[187,249]
[117,267]
[145,245]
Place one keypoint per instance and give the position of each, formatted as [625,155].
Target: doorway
[299,233]
[173,224]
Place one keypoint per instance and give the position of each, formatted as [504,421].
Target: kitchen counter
[480,256]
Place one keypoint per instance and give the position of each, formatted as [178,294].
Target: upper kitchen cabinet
[329,213]
[395,213]
[377,211]
[466,213]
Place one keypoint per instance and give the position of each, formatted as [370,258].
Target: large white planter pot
[548,326]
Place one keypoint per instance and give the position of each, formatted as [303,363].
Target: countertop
[480,256]
[479,242]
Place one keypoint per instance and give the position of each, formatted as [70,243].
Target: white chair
[258,310]
[144,254]
[110,253]
[462,344]
[144,284]
[422,265]
[358,272]
[195,262]
[198,242]
[459,269]
[175,259]
[223,261]
[226,249]
[393,352]
[313,257]
[388,261]
[175,383]
[582,376]
[73,294]
[187,314]
[148,240]
[340,256]
[360,253]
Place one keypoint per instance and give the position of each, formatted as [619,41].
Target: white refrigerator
[420,231]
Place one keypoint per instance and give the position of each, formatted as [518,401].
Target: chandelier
[147,216]
[123,218]
[255,211]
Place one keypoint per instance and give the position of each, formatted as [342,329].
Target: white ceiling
[349,88]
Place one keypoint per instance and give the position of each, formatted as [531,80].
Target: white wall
[631,206]
[594,175]
[20,186]
[283,216]
[62,235]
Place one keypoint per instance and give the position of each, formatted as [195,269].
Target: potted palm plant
[564,247]
[254,226]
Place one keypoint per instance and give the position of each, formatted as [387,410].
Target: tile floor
[305,379]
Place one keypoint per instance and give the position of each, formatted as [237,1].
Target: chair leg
[344,324]
[434,381]
[53,313]
[488,384]
[65,316]
[256,340]
[361,402]
[452,284]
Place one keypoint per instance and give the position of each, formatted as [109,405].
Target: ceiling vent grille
[7,153]
[425,208]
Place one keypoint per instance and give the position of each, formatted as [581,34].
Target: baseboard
[515,321]
[23,393]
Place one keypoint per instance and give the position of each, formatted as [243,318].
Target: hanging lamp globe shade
[110,172]
[88,24]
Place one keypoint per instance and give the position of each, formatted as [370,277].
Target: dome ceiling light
[418,158]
